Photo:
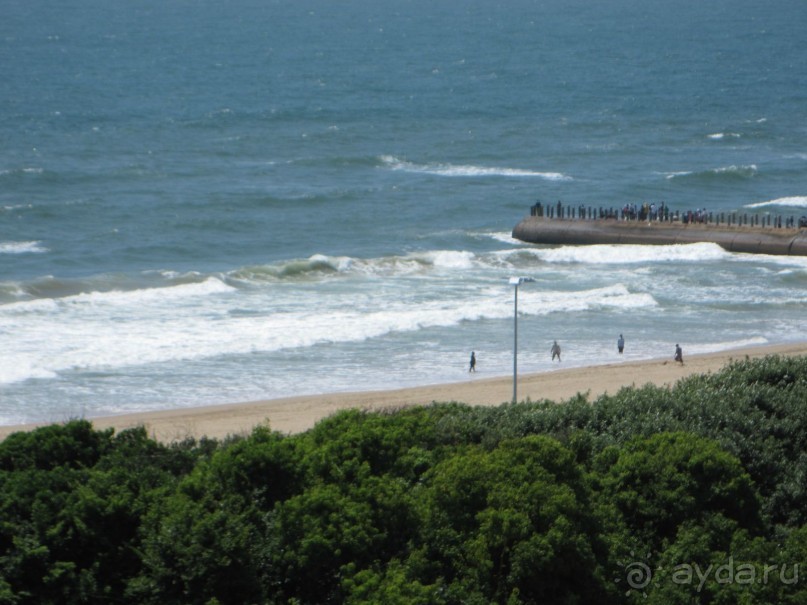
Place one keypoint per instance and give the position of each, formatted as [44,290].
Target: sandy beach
[296,414]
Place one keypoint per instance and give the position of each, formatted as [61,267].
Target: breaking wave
[725,172]
[798,201]
[22,248]
[452,170]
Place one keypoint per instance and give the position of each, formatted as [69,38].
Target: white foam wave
[21,170]
[24,369]
[672,175]
[797,201]
[338,263]
[615,297]
[747,170]
[22,248]
[717,136]
[452,170]
[116,299]
[114,329]
[103,331]
[729,171]
[505,237]
[799,262]
[171,294]
[450,259]
[605,254]
[714,347]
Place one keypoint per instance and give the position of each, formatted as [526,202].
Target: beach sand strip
[297,414]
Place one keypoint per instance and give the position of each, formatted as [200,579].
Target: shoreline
[300,413]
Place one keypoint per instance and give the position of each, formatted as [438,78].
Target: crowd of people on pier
[652,212]
[646,212]
[629,212]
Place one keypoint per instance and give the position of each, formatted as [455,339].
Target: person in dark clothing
[620,344]
[555,351]
[472,367]
[679,355]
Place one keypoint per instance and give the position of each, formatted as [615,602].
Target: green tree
[659,483]
[69,528]
[511,525]
[195,551]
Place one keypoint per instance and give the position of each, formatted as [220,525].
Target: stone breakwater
[752,239]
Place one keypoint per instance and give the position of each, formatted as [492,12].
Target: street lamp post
[516,281]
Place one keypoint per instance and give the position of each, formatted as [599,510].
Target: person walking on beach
[555,351]
[679,355]
[620,344]
[472,367]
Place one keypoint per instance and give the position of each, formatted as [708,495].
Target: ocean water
[206,202]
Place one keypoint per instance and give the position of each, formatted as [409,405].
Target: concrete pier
[753,239]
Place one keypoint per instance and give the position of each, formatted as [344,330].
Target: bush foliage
[692,494]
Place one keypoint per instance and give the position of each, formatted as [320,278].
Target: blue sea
[214,202]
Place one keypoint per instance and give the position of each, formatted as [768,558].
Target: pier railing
[663,214]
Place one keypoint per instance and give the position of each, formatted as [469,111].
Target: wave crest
[797,201]
[452,170]
[607,254]
[22,248]
[724,172]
